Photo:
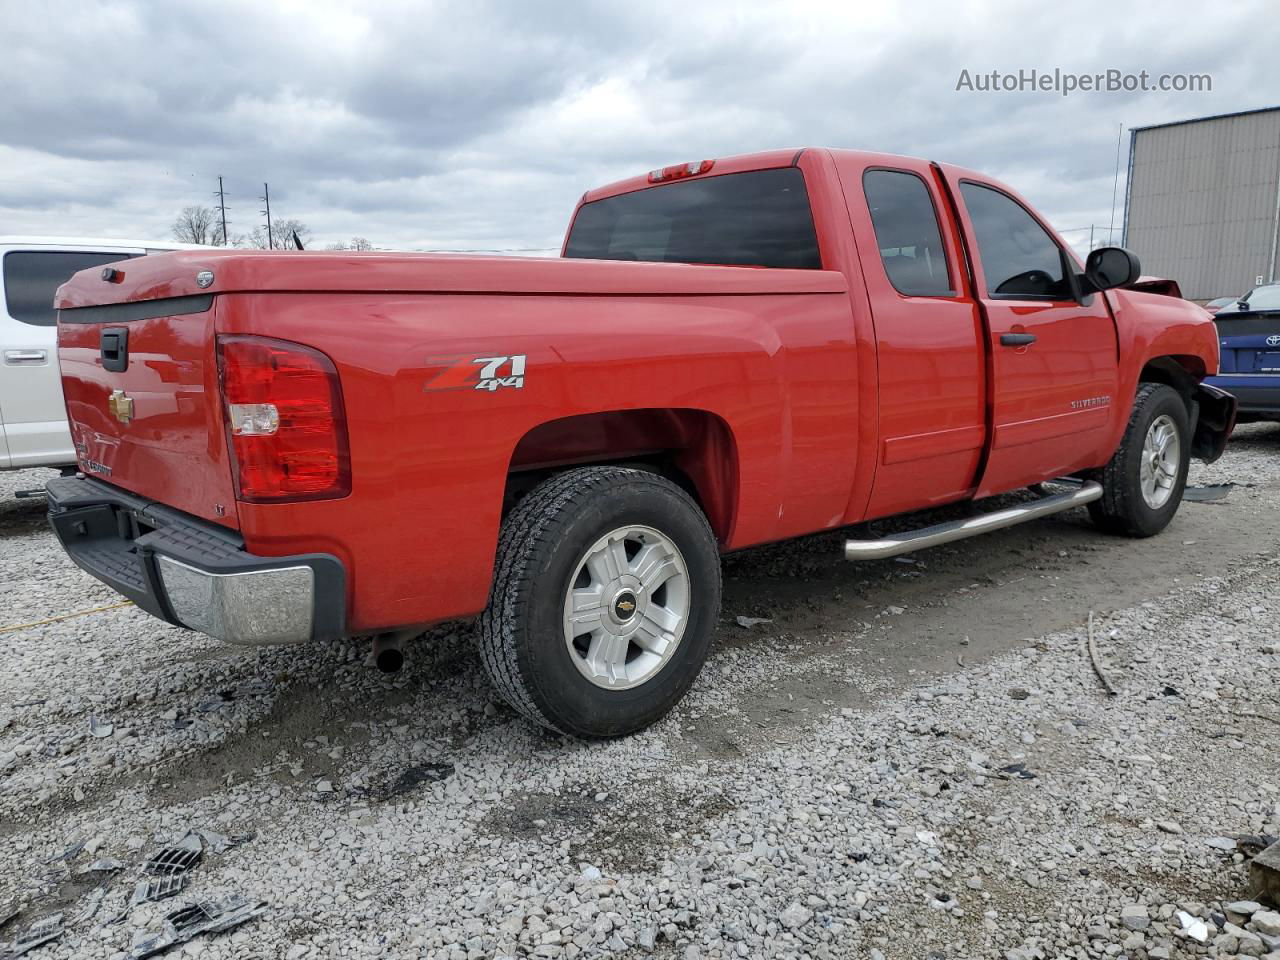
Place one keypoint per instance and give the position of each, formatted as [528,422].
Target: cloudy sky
[477,125]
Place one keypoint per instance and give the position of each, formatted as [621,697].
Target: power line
[1115,183]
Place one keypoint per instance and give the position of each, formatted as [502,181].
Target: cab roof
[740,163]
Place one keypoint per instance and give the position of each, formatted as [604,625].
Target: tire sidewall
[561,692]
[1146,519]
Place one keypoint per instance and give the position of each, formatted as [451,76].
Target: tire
[1126,507]
[550,567]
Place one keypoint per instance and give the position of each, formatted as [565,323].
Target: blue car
[1249,331]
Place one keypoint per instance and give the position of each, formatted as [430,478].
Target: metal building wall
[1201,202]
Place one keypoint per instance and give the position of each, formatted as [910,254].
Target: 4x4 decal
[479,373]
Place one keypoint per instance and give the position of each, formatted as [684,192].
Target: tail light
[285,422]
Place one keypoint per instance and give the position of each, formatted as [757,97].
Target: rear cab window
[756,219]
[32,277]
[908,234]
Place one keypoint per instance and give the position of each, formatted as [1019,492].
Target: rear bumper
[1258,394]
[194,574]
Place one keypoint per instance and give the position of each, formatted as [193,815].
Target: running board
[972,526]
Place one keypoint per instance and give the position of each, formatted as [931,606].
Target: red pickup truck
[280,447]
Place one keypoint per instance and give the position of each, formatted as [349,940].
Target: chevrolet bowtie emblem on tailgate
[121,406]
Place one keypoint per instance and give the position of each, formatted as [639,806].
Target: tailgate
[141,384]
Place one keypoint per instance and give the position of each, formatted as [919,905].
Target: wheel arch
[1212,411]
[693,447]
[1181,372]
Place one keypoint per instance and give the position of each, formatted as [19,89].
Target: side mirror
[1242,306]
[1109,267]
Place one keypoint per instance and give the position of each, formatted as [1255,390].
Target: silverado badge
[121,406]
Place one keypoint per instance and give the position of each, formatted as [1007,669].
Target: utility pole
[266,199]
[222,204]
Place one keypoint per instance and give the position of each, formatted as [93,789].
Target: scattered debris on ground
[188,922]
[36,935]
[833,786]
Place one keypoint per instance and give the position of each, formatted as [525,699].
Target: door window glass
[907,233]
[1019,258]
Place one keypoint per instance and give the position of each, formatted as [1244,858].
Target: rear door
[1054,360]
[928,334]
[31,405]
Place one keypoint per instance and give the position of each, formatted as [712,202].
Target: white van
[33,418]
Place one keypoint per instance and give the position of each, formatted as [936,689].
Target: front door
[1054,359]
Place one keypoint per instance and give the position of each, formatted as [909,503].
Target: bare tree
[197,225]
[282,232]
[356,243]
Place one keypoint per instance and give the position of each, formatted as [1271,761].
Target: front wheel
[606,593]
[1143,482]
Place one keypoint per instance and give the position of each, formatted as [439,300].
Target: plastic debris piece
[69,853]
[91,905]
[158,888]
[253,688]
[417,775]
[927,837]
[1193,927]
[1016,771]
[179,858]
[39,933]
[104,865]
[1205,494]
[100,728]
[205,916]
[748,622]
[220,843]
[1253,844]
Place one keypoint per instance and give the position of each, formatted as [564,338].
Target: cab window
[1019,259]
[907,233]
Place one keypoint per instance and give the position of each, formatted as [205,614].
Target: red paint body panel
[794,400]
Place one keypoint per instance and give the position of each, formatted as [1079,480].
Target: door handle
[18,357]
[1017,339]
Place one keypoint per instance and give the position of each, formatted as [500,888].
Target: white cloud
[479,124]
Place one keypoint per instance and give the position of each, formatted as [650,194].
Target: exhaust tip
[388,650]
[389,660]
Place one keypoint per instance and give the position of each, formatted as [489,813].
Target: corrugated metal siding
[1202,202]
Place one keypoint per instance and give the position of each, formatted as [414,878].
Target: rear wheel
[1143,482]
[605,595]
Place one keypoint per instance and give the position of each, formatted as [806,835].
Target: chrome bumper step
[953,530]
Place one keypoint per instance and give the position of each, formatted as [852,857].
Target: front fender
[1215,418]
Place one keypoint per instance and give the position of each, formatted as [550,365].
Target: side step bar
[972,526]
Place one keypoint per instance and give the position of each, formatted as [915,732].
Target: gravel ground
[908,760]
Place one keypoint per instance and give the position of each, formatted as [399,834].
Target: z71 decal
[479,373]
